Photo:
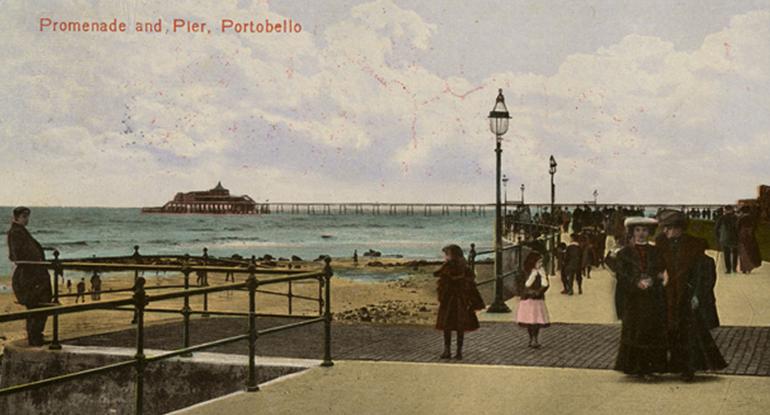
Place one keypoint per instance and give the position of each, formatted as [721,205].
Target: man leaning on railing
[31,283]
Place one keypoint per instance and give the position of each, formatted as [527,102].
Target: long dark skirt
[643,347]
[692,346]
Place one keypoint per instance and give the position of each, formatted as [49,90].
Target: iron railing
[521,233]
[140,300]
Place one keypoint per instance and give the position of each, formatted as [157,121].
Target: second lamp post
[552,171]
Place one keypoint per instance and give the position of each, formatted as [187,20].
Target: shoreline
[408,299]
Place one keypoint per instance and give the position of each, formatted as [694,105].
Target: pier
[442,209]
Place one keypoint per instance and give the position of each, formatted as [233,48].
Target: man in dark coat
[31,283]
[573,259]
[690,343]
[726,229]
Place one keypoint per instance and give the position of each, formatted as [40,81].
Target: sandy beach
[409,299]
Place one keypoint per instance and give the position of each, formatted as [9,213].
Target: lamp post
[498,125]
[596,196]
[552,171]
[522,193]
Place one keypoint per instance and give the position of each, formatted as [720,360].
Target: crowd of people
[664,292]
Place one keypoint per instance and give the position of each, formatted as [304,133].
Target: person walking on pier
[748,248]
[640,302]
[689,296]
[726,229]
[532,313]
[458,298]
[31,283]
[573,259]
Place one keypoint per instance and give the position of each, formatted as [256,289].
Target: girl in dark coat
[639,268]
[458,298]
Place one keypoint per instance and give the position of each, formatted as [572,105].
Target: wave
[73,243]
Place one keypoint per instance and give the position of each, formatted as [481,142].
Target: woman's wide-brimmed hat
[634,221]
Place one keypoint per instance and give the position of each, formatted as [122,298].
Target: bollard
[140,301]
[252,284]
[186,307]
[57,271]
[327,362]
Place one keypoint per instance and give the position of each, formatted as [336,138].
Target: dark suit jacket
[31,284]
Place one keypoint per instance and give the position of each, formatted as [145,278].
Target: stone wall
[169,384]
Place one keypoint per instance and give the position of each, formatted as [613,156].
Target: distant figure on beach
[81,291]
[690,306]
[640,302]
[748,248]
[532,313]
[726,230]
[96,286]
[458,298]
[31,283]
[355,256]
[69,286]
[202,278]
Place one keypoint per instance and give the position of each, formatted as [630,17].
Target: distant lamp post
[505,193]
[522,193]
[596,196]
[498,125]
[552,171]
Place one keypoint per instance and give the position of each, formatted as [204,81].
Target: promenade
[391,369]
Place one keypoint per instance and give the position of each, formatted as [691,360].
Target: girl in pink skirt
[532,312]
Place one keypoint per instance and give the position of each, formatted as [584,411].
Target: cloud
[352,112]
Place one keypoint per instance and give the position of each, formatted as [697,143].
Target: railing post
[327,362]
[140,301]
[205,283]
[291,297]
[186,307]
[137,259]
[57,271]
[472,257]
[252,283]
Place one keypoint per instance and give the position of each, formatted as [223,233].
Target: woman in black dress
[642,303]
[458,298]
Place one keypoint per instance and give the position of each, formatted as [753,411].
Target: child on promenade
[458,298]
[532,312]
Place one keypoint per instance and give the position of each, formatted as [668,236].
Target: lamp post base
[498,307]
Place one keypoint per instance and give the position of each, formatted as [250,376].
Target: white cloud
[350,113]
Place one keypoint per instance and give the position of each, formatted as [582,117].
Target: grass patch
[705,229]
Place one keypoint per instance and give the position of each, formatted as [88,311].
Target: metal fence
[138,304]
[520,236]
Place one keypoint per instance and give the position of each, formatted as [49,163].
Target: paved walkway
[588,346]
[742,300]
[363,388]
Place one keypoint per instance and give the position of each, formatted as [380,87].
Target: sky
[386,101]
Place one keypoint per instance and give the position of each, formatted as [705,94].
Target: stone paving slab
[586,346]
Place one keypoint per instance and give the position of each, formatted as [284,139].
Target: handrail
[110,267]
[140,300]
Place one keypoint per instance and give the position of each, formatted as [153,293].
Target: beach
[389,293]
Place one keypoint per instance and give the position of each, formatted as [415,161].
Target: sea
[85,232]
